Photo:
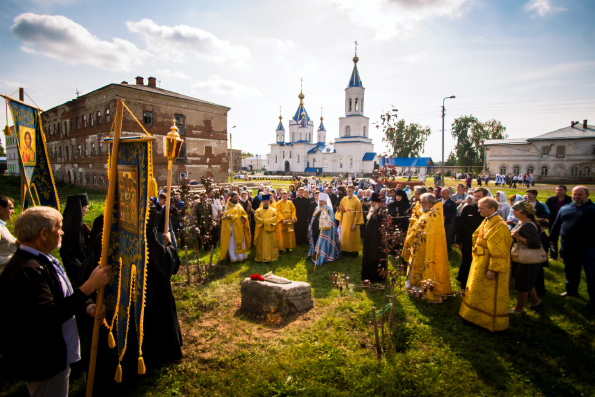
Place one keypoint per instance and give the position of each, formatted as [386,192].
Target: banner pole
[107,225]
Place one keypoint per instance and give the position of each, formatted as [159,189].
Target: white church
[303,153]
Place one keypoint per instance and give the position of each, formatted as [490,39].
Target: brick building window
[544,170]
[148,118]
[107,116]
[72,154]
[102,180]
[84,121]
[91,119]
[574,171]
[65,127]
[78,124]
[99,148]
[545,150]
[181,124]
[86,154]
[80,152]
[98,118]
[94,178]
[60,152]
[81,177]
[92,149]
[182,156]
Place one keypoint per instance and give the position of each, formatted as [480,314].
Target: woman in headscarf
[162,339]
[511,219]
[76,236]
[503,206]
[526,232]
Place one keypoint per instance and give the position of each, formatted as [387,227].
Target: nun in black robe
[302,210]
[373,255]
[162,339]
[76,236]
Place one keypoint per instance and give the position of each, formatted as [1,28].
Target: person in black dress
[76,236]
[468,224]
[373,256]
[302,207]
[162,337]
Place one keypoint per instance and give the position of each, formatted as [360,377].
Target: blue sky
[528,63]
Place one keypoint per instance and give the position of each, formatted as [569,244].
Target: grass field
[329,350]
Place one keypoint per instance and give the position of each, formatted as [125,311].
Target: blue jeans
[576,258]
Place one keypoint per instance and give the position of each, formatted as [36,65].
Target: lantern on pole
[172,143]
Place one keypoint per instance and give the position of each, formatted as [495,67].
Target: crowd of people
[503,240]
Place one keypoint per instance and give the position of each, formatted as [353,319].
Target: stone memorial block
[276,295]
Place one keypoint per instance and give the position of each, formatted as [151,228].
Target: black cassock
[468,223]
[373,253]
[162,337]
[302,209]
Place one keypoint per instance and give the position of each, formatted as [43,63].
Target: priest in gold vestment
[425,250]
[287,217]
[416,209]
[351,217]
[265,239]
[235,231]
[486,296]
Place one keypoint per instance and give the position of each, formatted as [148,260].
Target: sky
[529,64]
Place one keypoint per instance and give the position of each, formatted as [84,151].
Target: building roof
[313,169]
[406,161]
[576,132]
[280,126]
[355,80]
[321,128]
[322,148]
[369,156]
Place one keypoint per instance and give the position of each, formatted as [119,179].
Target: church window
[574,171]
[293,136]
[300,136]
[356,105]
[350,163]
[298,158]
[350,104]
[314,162]
[503,170]
[275,158]
[530,169]
[325,162]
[283,153]
[309,136]
[340,162]
[516,170]
[586,171]
[290,154]
[364,130]
[544,170]
[348,131]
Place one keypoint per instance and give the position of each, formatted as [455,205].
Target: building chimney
[140,80]
[573,123]
[585,124]
[124,82]
[152,82]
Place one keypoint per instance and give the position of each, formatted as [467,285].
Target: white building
[351,152]
[564,155]
[254,163]
[12,154]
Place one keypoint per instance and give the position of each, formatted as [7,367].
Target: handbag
[520,253]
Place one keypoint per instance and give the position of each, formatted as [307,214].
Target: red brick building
[75,129]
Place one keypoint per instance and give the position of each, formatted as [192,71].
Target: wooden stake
[392,304]
[187,264]
[211,260]
[378,348]
[107,225]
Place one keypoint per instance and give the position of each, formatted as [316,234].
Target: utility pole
[443,112]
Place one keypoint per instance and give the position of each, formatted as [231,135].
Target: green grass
[329,350]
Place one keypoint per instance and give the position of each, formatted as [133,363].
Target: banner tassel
[118,377]
[110,340]
[141,366]
[152,188]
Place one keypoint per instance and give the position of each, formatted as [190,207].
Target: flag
[124,295]
[38,178]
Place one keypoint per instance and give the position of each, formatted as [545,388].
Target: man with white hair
[37,305]
[324,238]
[425,251]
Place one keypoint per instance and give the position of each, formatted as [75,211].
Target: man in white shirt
[8,244]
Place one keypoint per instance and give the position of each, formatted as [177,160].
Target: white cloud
[60,38]
[173,73]
[177,42]
[217,85]
[397,18]
[278,44]
[542,7]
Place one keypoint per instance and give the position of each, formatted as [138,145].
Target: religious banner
[38,180]
[124,296]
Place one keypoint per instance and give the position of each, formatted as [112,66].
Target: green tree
[2,152]
[470,134]
[403,140]
[246,154]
